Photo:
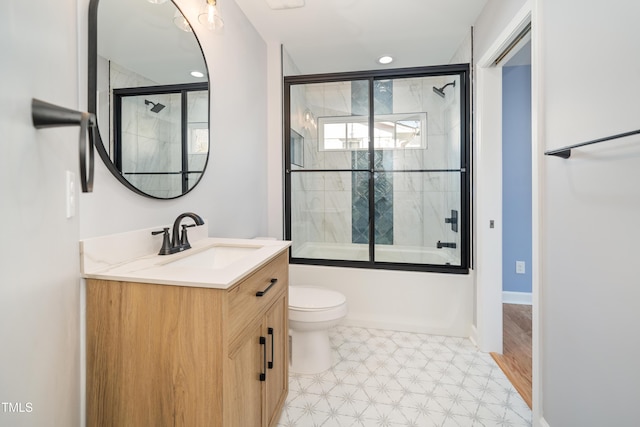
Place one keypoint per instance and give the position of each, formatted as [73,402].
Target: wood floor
[516,360]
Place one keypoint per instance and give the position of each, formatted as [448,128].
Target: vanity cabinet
[163,355]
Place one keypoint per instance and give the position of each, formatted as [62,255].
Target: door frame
[487,332]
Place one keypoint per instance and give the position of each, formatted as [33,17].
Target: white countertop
[119,258]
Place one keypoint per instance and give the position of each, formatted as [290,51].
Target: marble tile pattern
[103,252]
[383,193]
[421,201]
[387,378]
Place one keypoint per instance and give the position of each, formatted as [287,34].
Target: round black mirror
[149,90]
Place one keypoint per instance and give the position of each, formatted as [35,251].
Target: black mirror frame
[92,102]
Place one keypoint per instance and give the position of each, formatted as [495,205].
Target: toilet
[312,311]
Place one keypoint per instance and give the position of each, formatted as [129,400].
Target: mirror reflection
[152,96]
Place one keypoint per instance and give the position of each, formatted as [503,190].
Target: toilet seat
[308,298]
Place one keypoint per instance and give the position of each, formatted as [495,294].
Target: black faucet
[441,245]
[179,242]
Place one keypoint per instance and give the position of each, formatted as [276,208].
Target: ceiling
[349,35]
[142,37]
[321,36]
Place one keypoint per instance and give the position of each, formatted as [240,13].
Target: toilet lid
[310,298]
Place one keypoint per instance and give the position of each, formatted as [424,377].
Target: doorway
[490,219]
[515,359]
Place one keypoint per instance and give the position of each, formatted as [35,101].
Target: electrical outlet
[520,267]
[71,194]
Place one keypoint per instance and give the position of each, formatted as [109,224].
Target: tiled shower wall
[420,202]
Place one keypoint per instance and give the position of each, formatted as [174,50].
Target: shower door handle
[261,293]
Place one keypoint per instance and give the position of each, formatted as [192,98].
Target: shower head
[440,91]
[157,107]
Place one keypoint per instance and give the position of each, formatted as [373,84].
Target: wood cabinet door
[243,386]
[277,359]
[152,355]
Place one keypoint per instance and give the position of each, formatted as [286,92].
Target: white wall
[39,278]
[275,153]
[591,205]
[232,194]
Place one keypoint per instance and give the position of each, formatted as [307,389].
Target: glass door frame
[183,90]
[463,72]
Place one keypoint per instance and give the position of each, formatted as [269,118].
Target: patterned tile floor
[386,378]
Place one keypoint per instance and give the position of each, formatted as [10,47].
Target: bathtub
[384,253]
[398,300]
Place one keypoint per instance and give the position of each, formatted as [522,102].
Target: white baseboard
[401,327]
[516,298]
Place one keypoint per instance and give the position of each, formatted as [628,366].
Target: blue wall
[516,177]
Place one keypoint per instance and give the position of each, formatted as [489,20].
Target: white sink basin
[214,257]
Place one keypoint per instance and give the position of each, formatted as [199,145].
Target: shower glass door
[376,169]
[161,137]
[417,182]
[150,144]
[329,180]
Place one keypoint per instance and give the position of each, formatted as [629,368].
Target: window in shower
[161,137]
[391,131]
[384,182]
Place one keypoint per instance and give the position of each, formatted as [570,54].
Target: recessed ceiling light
[386,59]
[284,4]
[197,74]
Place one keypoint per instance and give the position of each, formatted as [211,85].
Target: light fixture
[181,22]
[284,4]
[197,74]
[309,119]
[210,16]
[384,60]
[157,1]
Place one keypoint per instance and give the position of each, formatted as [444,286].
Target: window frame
[394,117]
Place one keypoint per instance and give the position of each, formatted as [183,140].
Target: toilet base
[310,351]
